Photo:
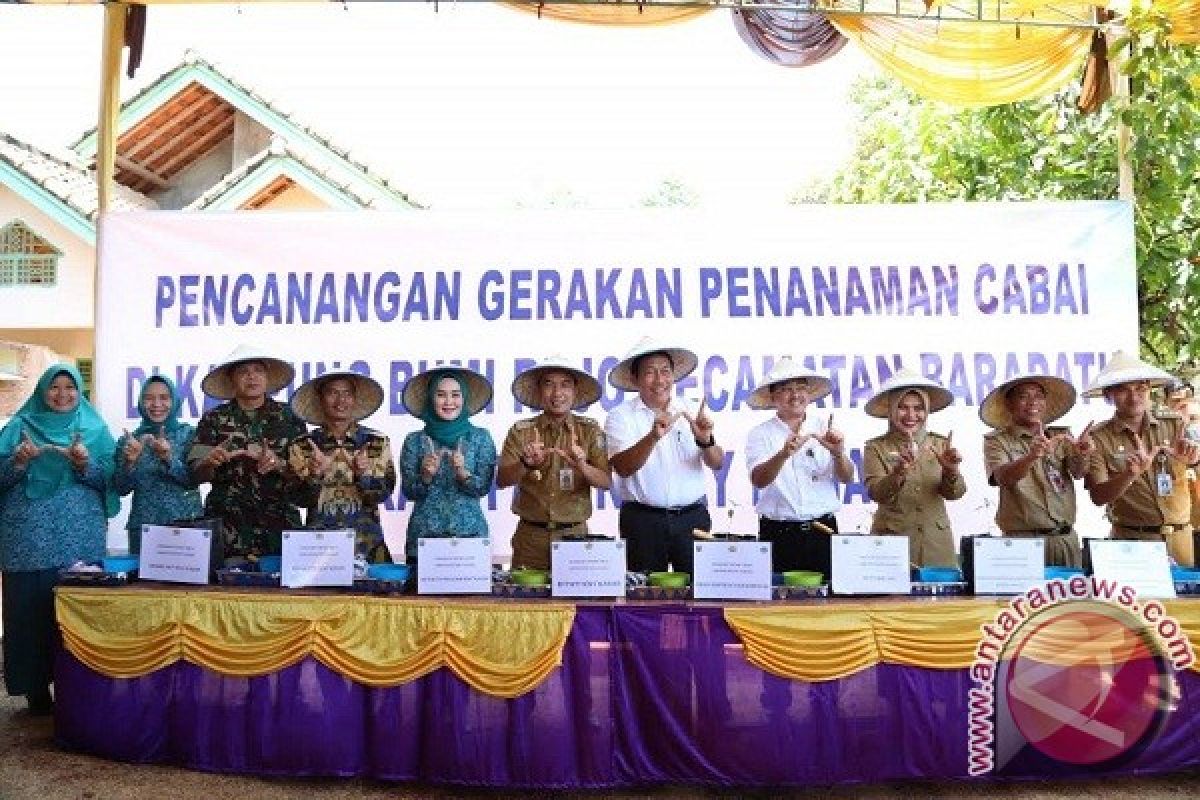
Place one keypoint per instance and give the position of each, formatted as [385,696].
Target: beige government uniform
[917,508]
[1042,503]
[553,501]
[1140,512]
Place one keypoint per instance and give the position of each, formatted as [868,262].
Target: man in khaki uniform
[554,460]
[910,472]
[1035,466]
[1141,458]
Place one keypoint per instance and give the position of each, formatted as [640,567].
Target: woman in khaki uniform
[910,472]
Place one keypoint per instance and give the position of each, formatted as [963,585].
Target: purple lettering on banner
[986,272]
[548,285]
[242,313]
[327,304]
[185,378]
[417,302]
[1014,296]
[856,293]
[985,374]
[888,293]
[519,293]
[931,366]
[946,288]
[1083,290]
[491,301]
[669,289]
[797,299]
[606,293]
[399,374]
[833,366]
[639,296]
[164,298]
[299,298]
[387,297]
[738,291]
[722,476]
[270,308]
[187,299]
[857,489]
[717,399]
[710,289]
[1085,362]
[745,383]
[134,377]
[766,292]
[1039,288]
[827,291]
[577,297]
[918,293]
[354,296]
[446,294]
[521,365]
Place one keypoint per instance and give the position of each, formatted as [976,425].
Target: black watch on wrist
[712,440]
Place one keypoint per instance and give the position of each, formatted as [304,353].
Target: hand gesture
[430,461]
[77,453]
[663,422]
[702,424]
[132,450]
[832,440]
[793,443]
[26,451]
[320,462]
[574,455]
[1083,446]
[360,463]
[906,459]
[533,452]
[161,446]
[948,456]
[458,459]
[1184,449]
[1139,460]
[267,460]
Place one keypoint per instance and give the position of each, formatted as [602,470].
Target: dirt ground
[33,768]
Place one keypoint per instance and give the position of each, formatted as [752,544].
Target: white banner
[968,294]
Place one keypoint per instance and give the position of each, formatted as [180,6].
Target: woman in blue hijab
[56,458]
[151,463]
[447,466]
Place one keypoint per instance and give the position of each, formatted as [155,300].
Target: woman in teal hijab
[447,466]
[56,458]
[151,463]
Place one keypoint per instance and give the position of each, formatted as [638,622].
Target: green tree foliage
[913,150]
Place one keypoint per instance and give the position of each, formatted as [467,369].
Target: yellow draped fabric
[1185,19]
[828,642]
[500,649]
[629,13]
[970,63]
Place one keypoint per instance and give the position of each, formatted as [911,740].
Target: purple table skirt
[646,694]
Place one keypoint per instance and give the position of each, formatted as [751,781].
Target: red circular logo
[1087,683]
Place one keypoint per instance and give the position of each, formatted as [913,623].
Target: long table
[538,693]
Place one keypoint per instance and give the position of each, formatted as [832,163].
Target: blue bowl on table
[1184,574]
[1062,573]
[937,574]
[270,564]
[388,572]
[119,563]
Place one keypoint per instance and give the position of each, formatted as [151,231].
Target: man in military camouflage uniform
[241,449]
[554,460]
[1139,466]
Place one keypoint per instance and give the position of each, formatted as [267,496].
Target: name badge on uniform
[1165,484]
[566,479]
[1054,476]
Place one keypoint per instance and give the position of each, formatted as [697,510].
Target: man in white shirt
[797,459]
[658,453]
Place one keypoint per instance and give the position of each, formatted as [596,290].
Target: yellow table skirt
[833,641]
[500,649]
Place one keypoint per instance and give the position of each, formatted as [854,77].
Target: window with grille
[26,259]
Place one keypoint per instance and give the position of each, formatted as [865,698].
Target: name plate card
[317,558]
[732,571]
[176,555]
[454,566]
[1141,565]
[869,564]
[587,569]
[1008,566]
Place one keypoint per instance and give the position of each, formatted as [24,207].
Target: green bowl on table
[802,577]
[669,580]
[530,577]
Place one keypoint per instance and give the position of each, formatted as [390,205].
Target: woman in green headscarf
[56,458]
[151,463]
[447,466]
